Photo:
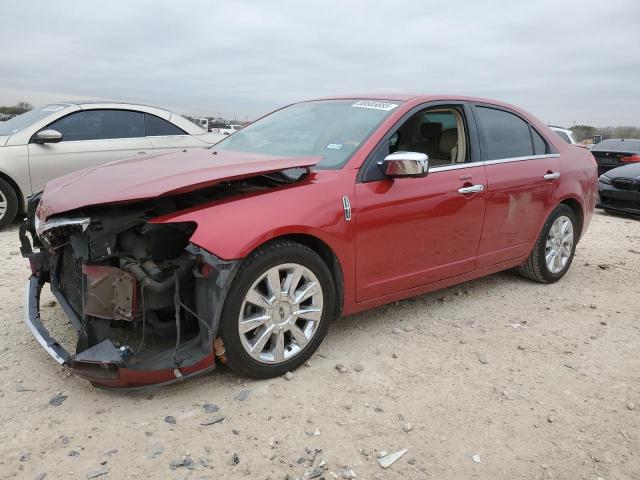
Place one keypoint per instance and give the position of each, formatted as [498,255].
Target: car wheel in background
[8,204]
[553,252]
[277,310]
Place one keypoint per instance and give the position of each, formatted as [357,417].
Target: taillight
[631,159]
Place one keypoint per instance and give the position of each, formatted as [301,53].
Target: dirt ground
[538,381]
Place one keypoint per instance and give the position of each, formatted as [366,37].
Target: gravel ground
[495,378]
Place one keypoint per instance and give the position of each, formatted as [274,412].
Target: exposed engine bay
[145,302]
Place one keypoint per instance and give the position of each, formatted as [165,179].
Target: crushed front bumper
[102,364]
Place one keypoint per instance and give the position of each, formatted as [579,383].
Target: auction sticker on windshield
[376,105]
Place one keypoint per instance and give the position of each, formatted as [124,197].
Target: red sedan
[243,254]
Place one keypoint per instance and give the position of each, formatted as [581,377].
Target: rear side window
[506,135]
[157,127]
[539,144]
[100,125]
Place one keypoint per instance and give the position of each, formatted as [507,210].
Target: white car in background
[53,140]
[566,135]
[229,129]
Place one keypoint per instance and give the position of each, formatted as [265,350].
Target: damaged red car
[243,253]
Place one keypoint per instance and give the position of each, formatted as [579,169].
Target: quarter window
[157,127]
[539,144]
[506,135]
[100,125]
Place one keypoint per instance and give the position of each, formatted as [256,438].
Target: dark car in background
[616,152]
[619,190]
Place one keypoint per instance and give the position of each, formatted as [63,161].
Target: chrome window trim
[445,168]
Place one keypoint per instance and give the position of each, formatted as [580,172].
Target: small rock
[603,323]
[408,328]
[348,474]
[288,376]
[604,266]
[412,461]
[242,395]
[396,331]
[64,439]
[49,304]
[212,420]
[394,355]
[235,431]
[186,461]
[593,306]
[235,459]
[170,419]
[630,406]
[57,400]
[341,368]
[482,358]
[551,419]
[507,394]
[97,472]
[210,408]
[521,347]
[358,368]
[74,453]
[21,387]
[408,427]
[476,458]
[313,472]
[156,453]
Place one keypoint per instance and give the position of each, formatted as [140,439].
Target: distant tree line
[586,132]
[17,109]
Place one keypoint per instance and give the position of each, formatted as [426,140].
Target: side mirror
[406,164]
[48,136]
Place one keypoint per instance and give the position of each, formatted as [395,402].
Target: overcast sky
[564,61]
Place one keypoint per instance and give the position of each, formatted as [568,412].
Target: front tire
[553,251]
[8,204]
[278,310]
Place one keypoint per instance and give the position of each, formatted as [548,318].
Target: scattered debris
[210,408]
[476,458]
[482,358]
[235,459]
[341,368]
[288,376]
[186,462]
[389,459]
[40,476]
[408,427]
[49,304]
[213,420]
[412,461]
[57,400]
[97,472]
[604,266]
[630,406]
[347,474]
[521,347]
[551,419]
[394,355]
[170,419]
[516,325]
[242,395]
[235,431]
[74,453]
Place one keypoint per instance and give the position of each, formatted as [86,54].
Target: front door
[414,231]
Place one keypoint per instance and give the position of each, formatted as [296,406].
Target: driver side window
[439,132]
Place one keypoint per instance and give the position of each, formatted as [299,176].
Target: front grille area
[626,184]
[70,277]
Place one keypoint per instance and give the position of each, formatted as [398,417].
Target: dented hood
[152,176]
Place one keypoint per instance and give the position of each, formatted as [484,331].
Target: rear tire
[8,204]
[552,255]
[293,327]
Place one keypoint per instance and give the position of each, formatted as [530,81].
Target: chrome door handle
[472,189]
[552,176]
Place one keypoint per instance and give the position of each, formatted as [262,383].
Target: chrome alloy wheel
[559,244]
[280,313]
[3,205]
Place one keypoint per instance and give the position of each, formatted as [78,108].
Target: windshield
[331,129]
[19,123]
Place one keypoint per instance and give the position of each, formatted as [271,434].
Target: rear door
[89,137]
[522,173]
[165,136]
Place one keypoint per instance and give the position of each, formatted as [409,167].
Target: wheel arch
[12,183]
[575,205]
[326,253]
